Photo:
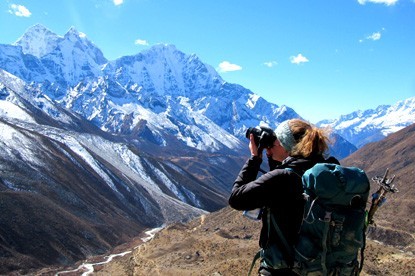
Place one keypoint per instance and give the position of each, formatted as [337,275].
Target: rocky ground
[224,243]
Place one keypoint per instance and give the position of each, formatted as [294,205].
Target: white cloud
[141,42]
[374,36]
[298,59]
[19,10]
[118,2]
[226,66]
[270,63]
[386,2]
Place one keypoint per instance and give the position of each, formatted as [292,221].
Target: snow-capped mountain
[38,41]
[54,61]
[19,111]
[162,90]
[362,127]
[58,170]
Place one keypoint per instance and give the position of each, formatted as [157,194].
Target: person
[298,146]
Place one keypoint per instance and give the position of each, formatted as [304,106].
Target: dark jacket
[280,189]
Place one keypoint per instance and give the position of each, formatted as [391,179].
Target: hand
[253,147]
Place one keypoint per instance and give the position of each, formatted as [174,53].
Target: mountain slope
[58,170]
[397,153]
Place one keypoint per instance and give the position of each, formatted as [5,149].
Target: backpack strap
[256,257]
[292,170]
[327,219]
[288,251]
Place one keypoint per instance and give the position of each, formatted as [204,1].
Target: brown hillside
[396,152]
[224,243]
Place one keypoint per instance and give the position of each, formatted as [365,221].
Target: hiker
[297,146]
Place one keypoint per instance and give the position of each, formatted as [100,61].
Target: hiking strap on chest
[287,251]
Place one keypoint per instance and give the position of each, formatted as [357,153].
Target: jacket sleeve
[248,192]
[247,174]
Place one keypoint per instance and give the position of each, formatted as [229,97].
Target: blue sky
[324,58]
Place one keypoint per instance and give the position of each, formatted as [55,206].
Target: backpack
[333,228]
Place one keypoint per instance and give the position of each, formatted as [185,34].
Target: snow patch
[10,110]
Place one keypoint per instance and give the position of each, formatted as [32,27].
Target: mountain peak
[38,28]
[73,32]
[37,41]
[76,39]
[163,50]
[165,46]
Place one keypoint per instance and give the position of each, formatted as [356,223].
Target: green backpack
[333,228]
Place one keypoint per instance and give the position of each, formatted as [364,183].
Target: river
[88,268]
